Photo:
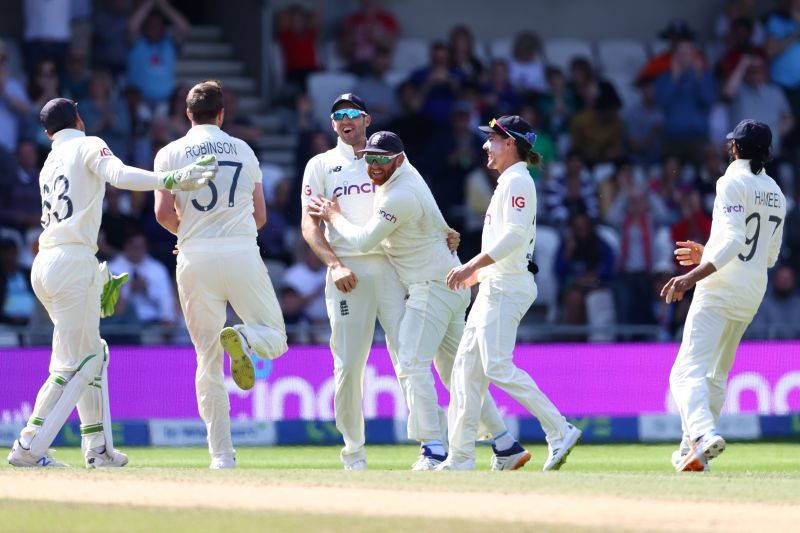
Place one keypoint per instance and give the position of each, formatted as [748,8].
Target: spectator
[779,314]
[16,294]
[21,202]
[526,66]
[478,189]
[150,288]
[584,264]
[676,32]
[753,96]
[117,226]
[462,54]
[499,96]
[644,123]
[47,33]
[587,87]
[410,125]
[545,143]
[685,96]
[43,86]
[438,83]
[738,10]
[105,115]
[374,88]
[740,45]
[597,131]
[306,295]
[109,44]
[77,74]
[705,182]
[298,30]
[273,238]
[790,251]
[569,195]
[177,123]
[668,185]
[236,123]
[14,103]
[362,33]
[783,48]
[153,54]
[694,224]
[558,103]
[141,116]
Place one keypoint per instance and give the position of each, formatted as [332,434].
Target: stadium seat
[621,56]
[410,54]
[330,56]
[610,237]
[501,49]
[658,47]
[544,253]
[396,77]
[559,52]
[623,83]
[323,87]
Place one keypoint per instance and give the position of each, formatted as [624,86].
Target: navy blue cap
[57,114]
[350,98]
[752,134]
[384,142]
[513,126]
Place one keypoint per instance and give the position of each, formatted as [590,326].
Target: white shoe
[222,462]
[698,465]
[359,464]
[21,457]
[447,464]
[559,450]
[705,448]
[113,459]
[239,350]
[427,460]
[512,459]
[712,445]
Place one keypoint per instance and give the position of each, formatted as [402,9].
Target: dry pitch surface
[753,487]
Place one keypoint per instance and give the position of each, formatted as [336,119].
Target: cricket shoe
[360,464]
[427,460]
[705,448]
[223,462]
[112,459]
[695,465]
[235,343]
[450,464]
[513,458]
[21,457]
[560,449]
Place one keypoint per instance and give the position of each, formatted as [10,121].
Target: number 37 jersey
[223,208]
[745,241]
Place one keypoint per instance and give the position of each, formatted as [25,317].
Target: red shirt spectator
[297,35]
[362,33]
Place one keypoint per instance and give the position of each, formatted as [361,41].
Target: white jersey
[224,208]
[72,184]
[509,228]
[339,173]
[745,240]
[410,227]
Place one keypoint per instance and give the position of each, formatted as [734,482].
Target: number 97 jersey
[224,207]
[745,240]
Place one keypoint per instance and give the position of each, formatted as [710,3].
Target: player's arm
[259,206]
[388,216]
[165,212]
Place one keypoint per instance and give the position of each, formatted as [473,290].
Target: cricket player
[731,278]
[507,290]
[408,225]
[360,286]
[68,281]
[219,263]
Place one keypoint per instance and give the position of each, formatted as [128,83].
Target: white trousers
[485,355]
[210,277]
[378,294]
[699,377]
[432,327]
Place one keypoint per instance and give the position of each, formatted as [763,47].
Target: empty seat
[501,48]
[330,56]
[323,87]
[623,56]
[627,92]
[410,54]
[559,52]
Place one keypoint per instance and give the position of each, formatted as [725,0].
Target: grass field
[602,487]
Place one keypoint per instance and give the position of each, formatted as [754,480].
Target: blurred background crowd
[632,133]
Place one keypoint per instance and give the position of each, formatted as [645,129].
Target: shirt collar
[205,127]
[345,149]
[60,137]
[739,165]
[520,167]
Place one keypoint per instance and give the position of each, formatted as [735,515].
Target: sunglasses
[349,113]
[379,159]
[530,137]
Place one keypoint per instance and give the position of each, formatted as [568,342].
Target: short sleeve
[313,181]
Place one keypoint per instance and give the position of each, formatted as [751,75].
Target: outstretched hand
[689,253]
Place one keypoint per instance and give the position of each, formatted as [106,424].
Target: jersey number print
[753,241]
[58,208]
[214,195]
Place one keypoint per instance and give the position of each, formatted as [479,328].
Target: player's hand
[676,287]
[193,176]
[453,240]
[463,276]
[111,287]
[344,278]
[323,208]
[689,253]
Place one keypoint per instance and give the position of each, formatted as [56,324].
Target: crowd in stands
[632,149]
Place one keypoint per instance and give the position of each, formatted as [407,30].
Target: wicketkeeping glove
[111,287]
[193,176]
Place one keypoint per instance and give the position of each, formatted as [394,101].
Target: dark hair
[758,156]
[204,101]
[531,158]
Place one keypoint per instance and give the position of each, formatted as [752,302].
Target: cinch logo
[518,202]
[105,152]
[307,190]
[346,190]
[733,208]
[388,216]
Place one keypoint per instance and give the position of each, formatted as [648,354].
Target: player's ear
[367,120]
[188,114]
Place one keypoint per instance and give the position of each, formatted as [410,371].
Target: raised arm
[137,19]
[179,23]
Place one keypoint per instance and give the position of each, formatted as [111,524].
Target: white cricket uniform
[378,293]
[219,263]
[65,274]
[407,222]
[745,240]
[506,291]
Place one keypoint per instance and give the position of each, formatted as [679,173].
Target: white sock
[99,449]
[504,441]
[25,441]
[435,446]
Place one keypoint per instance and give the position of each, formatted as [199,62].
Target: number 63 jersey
[224,207]
[745,240]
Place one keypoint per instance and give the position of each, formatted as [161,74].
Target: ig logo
[307,190]
[518,202]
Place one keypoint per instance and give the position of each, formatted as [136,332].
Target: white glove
[193,176]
